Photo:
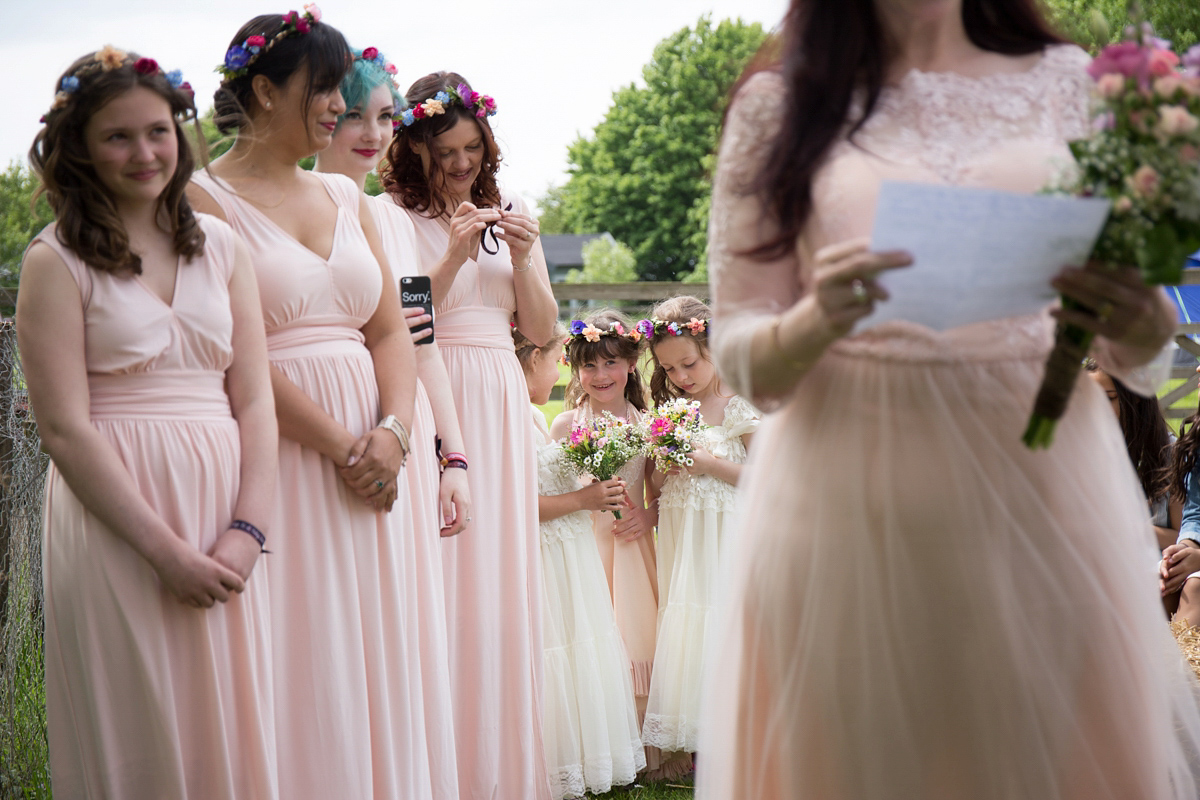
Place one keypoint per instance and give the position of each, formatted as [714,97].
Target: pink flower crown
[650,328]
[580,330]
[239,57]
[480,104]
[107,59]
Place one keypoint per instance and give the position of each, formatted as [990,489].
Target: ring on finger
[859,290]
[1104,312]
[378,484]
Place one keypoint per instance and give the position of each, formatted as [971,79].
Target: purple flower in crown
[646,328]
[577,327]
[236,57]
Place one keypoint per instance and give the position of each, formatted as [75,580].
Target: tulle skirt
[923,608]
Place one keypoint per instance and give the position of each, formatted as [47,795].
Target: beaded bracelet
[454,461]
[246,527]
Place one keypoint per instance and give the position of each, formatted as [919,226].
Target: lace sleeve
[747,293]
[741,417]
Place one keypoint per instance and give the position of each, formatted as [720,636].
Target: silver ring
[379,484]
[859,290]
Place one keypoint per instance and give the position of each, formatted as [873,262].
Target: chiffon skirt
[147,696]
[493,593]
[339,582]
[427,606]
[923,608]
[591,725]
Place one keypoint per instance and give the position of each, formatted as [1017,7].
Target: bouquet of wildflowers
[1144,156]
[600,446]
[669,432]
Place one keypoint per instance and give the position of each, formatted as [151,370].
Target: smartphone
[416,291]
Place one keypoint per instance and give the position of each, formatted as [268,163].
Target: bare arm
[50,334]
[454,493]
[537,310]
[248,381]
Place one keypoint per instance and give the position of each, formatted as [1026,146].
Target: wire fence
[24,752]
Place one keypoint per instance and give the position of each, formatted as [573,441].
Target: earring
[268,105]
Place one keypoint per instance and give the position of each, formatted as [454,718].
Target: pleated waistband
[475,326]
[330,340]
[160,395]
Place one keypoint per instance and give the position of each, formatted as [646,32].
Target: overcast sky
[552,65]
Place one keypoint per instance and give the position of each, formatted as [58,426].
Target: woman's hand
[372,466]
[609,495]
[466,226]
[519,232]
[845,285]
[1121,307]
[413,317]
[236,550]
[194,578]
[454,499]
[634,523]
[1178,561]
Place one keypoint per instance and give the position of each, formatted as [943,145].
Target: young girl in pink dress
[439,503]
[696,506]
[479,247]
[919,605]
[343,372]
[603,353]
[144,354]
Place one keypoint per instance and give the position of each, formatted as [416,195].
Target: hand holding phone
[416,291]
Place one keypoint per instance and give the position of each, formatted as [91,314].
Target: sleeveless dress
[921,606]
[695,517]
[493,591]
[147,696]
[591,726]
[338,572]
[427,600]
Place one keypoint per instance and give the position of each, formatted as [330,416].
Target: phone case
[416,291]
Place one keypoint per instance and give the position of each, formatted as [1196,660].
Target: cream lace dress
[921,607]
[695,515]
[590,722]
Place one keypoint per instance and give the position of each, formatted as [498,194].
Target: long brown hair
[403,176]
[1147,438]
[581,351]
[86,213]
[832,50]
[1183,456]
[681,310]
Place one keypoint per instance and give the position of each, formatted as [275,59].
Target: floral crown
[107,59]
[582,331]
[371,55]
[480,104]
[654,326]
[239,57]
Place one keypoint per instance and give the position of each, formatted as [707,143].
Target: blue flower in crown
[175,78]
[673,327]
[577,327]
[236,57]
[442,98]
[407,117]
[69,84]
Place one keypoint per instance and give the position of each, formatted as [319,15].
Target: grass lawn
[657,791]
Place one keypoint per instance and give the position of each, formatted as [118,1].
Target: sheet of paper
[979,254]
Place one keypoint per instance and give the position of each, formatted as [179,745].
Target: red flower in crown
[145,66]
[390,69]
[418,111]
[370,54]
[256,41]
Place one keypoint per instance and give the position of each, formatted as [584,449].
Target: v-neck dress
[493,574]
[338,573]
[147,696]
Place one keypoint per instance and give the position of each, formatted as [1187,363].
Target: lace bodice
[705,492]
[1005,131]
[556,476]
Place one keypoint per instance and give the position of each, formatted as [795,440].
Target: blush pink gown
[427,617]
[493,592]
[920,606]
[146,696]
[340,572]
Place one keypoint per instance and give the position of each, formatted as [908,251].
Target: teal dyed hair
[362,79]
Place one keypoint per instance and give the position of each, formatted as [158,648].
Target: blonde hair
[526,348]
[680,310]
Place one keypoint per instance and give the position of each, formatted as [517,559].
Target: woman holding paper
[922,607]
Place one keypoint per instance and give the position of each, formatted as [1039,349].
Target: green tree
[1095,23]
[647,164]
[605,260]
[19,223]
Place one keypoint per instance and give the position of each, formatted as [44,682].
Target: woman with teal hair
[440,506]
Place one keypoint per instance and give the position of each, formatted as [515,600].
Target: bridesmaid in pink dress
[441,170]
[920,606]
[144,354]
[343,371]
[440,504]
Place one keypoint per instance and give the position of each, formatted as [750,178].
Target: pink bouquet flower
[599,447]
[670,429]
